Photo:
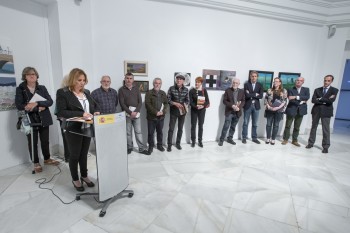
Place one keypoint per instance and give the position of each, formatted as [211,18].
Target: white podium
[111,159]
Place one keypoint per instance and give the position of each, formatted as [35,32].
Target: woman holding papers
[199,101]
[75,101]
[35,100]
[275,104]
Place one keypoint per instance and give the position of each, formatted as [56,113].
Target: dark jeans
[272,123]
[326,140]
[297,122]
[43,133]
[78,147]
[230,122]
[197,115]
[155,125]
[172,122]
[251,111]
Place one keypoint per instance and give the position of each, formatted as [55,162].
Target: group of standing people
[278,102]
[73,100]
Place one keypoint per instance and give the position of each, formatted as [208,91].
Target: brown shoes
[284,142]
[295,143]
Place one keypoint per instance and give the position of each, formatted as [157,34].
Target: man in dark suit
[253,93]
[296,109]
[234,100]
[323,99]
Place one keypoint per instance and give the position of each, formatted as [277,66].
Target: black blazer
[68,106]
[23,96]
[193,97]
[294,107]
[228,101]
[250,95]
[323,105]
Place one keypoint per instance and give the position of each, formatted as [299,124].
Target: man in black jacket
[323,99]
[296,109]
[253,93]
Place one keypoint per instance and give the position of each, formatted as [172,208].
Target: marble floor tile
[246,188]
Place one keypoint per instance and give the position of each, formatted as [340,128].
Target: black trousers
[326,139]
[43,133]
[65,143]
[78,147]
[197,115]
[172,122]
[155,125]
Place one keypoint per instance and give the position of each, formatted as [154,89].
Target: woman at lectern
[75,101]
[37,109]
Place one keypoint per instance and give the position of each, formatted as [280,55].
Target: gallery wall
[98,36]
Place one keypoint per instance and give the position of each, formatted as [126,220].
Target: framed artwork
[288,79]
[187,76]
[142,85]
[138,68]
[265,78]
[218,79]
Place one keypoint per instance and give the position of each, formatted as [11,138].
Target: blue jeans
[230,122]
[255,115]
[136,123]
[272,124]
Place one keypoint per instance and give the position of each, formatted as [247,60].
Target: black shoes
[193,144]
[150,150]
[244,141]
[256,141]
[325,150]
[161,148]
[200,144]
[231,141]
[145,152]
[79,189]
[168,149]
[129,151]
[221,143]
[309,146]
[178,147]
[89,184]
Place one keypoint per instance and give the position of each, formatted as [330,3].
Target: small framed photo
[137,68]
[265,78]
[142,85]
[288,79]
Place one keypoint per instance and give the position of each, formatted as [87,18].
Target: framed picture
[218,79]
[288,79]
[142,85]
[265,78]
[138,68]
[187,76]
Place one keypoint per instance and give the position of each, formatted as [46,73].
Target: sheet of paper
[36,97]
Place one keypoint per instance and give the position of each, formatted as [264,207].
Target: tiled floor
[244,188]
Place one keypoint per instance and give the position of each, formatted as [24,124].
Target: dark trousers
[230,122]
[65,144]
[43,133]
[297,122]
[197,115]
[272,124]
[326,141]
[78,147]
[155,125]
[180,124]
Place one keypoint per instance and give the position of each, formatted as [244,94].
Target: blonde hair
[74,76]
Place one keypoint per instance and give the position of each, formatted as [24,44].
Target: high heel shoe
[79,189]
[89,184]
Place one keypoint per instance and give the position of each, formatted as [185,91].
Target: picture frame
[137,68]
[218,80]
[265,78]
[288,79]
[187,76]
[142,85]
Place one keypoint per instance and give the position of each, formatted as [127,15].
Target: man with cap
[178,101]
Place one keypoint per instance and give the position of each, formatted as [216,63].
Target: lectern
[111,159]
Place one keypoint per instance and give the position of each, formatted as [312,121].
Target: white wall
[98,36]
[25,25]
